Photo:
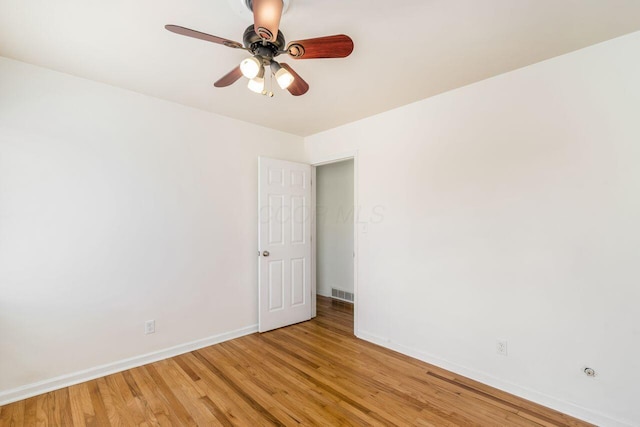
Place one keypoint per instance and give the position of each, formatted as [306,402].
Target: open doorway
[334,225]
[287,265]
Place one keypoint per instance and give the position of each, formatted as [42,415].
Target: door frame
[349,155]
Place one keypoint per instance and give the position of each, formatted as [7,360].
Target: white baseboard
[323,293]
[523,392]
[34,389]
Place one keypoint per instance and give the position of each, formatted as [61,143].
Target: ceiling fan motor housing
[260,47]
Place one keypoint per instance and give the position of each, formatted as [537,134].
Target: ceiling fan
[265,41]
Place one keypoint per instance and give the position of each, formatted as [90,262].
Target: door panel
[284,231]
[298,285]
[298,212]
[276,285]
[276,229]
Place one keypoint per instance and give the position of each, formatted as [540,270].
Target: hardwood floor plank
[42,407]
[65,406]
[347,396]
[238,411]
[132,403]
[101,418]
[128,383]
[323,408]
[5,414]
[59,408]
[261,392]
[112,404]
[287,391]
[78,408]
[217,412]
[14,415]
[186,391]
[184,417]
[186,368]
[390,393]
[200,355]
[158,405]
[31,411]
[312,373]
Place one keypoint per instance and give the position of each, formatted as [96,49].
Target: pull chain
[270,92]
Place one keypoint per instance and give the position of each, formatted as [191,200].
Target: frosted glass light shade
[284,78]
[256,84]
[250,67]
[282,75]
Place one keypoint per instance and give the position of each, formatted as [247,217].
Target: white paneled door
[284,243]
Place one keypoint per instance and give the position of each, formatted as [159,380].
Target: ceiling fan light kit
[265,41]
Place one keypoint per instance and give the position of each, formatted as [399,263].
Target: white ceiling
[405,50]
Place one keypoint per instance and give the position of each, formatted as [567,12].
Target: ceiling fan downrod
[267,14]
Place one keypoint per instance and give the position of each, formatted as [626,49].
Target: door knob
[265,253]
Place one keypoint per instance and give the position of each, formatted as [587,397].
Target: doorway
[288,239]
[335,233]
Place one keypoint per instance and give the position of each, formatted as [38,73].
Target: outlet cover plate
[501,347]
[149,327]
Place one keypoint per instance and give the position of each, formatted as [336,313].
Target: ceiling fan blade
[230,78]
[266,18]
[203,36]
[299,86]
[339,46]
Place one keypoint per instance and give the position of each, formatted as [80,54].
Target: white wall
[511,210]
[334,227]
[116,208]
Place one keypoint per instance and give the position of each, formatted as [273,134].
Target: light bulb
[284,78]
[250,67]
[256,84]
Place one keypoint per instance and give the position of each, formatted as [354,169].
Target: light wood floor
[313,373]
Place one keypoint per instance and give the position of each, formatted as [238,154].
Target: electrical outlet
[501,347]
[149,327]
